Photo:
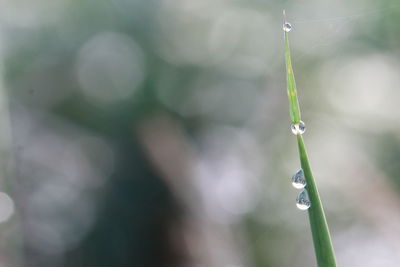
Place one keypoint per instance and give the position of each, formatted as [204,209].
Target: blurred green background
[155,133]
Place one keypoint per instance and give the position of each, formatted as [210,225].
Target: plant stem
[294,107]
[319,227]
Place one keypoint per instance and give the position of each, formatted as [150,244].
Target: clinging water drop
[287,27]
[298,128]
[298,180]
[302,200]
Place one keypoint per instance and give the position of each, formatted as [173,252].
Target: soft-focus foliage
[155,132]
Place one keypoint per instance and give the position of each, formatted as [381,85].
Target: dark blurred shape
[134,223]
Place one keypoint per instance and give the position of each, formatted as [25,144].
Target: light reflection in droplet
[298,180]
[287,27]
[302,200]
[298,128]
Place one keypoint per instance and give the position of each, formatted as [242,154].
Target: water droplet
[287,27]
[302,200]
[298,128]
[298,180]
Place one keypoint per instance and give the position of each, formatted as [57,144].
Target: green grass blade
[291,85]
[319,227]
[322,241]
